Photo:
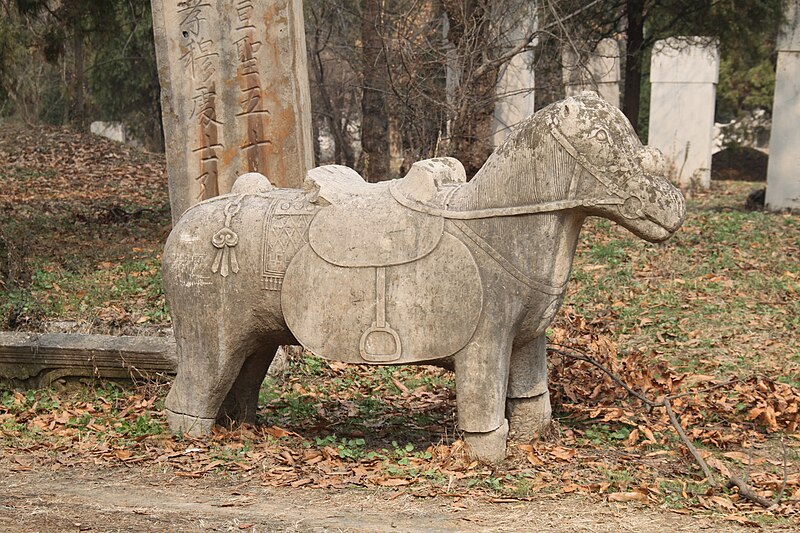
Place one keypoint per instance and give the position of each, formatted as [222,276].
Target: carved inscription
[191,269]
[235,96]
[252,106]
[201,61]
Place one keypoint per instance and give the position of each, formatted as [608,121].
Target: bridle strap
[622,196]
[539,285]
[493,212]
[591,169]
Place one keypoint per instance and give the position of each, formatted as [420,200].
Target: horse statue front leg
[482,373]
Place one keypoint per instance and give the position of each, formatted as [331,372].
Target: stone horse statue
[423,269]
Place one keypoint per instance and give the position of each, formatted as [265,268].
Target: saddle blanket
[416,311]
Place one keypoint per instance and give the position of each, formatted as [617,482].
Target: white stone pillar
[235,95]
[597,71]
[517,82]
[684,72]
[452,73]
[783,171]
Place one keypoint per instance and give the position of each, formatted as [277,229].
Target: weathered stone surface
[408,270]
[234,93]
[783,177]
[399,313]
[530,417]
[684,72]
[31,359]
[597,70]
[489,446]
[110,130]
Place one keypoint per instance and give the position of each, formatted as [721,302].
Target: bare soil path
[133,499]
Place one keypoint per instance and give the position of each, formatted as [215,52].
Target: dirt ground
[132,499]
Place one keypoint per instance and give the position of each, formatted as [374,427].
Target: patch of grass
[603,434]
[104,412]
[620,479]
[142,426]
[126,291]
[726,286]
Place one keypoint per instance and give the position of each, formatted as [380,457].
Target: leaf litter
[602,443]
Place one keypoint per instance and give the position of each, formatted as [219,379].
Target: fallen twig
[785,474]
[692,450]
[745,490]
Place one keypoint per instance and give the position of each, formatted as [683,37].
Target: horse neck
[530,172]
[540,246]
[528,169]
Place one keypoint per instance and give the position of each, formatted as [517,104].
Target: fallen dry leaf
[633,496]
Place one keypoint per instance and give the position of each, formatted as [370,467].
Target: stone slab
[682,103]
[789,36]
[38,359]
[682,127]
[235,94]
[110,130]
[598,71]
[517,82]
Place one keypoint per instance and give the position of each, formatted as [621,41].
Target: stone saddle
[382,276]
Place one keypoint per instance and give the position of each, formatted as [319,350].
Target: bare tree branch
[745,490]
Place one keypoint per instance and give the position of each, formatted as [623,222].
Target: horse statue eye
[601,135]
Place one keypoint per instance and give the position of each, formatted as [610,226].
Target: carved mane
[529,168]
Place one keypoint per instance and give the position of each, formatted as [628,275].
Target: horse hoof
[189,425]
[529,417]
[488,447]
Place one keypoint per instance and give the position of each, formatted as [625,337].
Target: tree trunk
[471,125]
[79,116]
[375,118]
[633,61]
[343,151]
[157,140]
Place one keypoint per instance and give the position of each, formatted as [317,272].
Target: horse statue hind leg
[226,332]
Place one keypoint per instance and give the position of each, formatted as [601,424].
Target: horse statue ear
[652,161]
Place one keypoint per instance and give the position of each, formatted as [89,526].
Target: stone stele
[516,84]
[684,72]
[429,268]
[783,177]
[597,70]
[234,94]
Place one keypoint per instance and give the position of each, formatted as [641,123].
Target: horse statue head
[582,153]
